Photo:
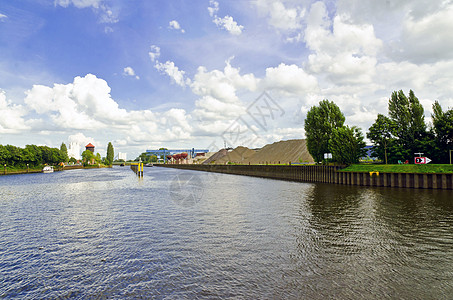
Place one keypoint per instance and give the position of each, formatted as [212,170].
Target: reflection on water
[183,234]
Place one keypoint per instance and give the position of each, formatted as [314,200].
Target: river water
[172,234]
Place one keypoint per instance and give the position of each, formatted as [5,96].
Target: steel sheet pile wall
[330,174]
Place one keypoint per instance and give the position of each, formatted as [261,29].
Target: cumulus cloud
[128,71]
[175,25]
[218,93]
[177,75]
[347,54]
[12,116]
[107,15]
[154,53]
[429,39]
[290,79]
[287,17]
[226,22]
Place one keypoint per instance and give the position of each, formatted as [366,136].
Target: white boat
[47,169]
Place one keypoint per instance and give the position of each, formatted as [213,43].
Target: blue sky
[150,74]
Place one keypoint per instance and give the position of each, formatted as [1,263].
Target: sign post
[422,160]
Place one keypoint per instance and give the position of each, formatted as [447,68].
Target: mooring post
[4,171]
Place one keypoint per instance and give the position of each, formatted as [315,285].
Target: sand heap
[218,155]
[283,152]
[238,156]
[293,151]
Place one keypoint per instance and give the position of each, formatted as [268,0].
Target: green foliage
[153,158]
[88,157]
[382,134]
[346,144]
[145,157]
[320,122]
[410,127]
[64,152]
[32,155]
[410,168]
[73,160]
[110,154]
[443,132]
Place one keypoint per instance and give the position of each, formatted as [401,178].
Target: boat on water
[47,169]
[149,165]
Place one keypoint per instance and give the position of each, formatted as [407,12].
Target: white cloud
[229,24]
[347,54]
[429,39]
[12,116]
[290,79]
[287,17]
[175,25]
[79,3]
[217,90]
[226,22]
[169,68]
[128,71]
[107,15]
[3,17]
[154,54]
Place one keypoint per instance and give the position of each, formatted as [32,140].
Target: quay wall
[330,174]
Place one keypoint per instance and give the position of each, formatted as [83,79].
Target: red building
[90,147]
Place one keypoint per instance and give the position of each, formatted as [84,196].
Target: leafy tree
[320,122]
[443,132]
[97,158]
[408,116]
[87,157]
[64,152]
[346,144]
[110,154]
[144,156]
[73,160]
[381,133]
[153,158]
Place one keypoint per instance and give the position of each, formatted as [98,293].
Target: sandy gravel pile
[293,151]
[238,156]
[218,155]
[283,152]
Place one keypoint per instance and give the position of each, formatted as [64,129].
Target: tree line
[32,155]
[396,137]
[35,156]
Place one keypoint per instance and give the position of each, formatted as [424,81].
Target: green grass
[428,168]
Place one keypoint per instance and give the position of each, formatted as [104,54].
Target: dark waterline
[105,233]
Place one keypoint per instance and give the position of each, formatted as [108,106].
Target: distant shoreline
[57,169]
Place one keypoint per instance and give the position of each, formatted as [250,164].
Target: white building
[122,155]
[74,150]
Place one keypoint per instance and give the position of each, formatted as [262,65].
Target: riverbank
[331,174]
[9,171]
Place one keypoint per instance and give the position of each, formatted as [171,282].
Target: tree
[319,124]
[346,144]
[72,160]
[87,157]
[443,132]
[110,154]
[64,152]
[381,133]
[408,116]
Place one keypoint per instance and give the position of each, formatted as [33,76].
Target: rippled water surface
[173,234]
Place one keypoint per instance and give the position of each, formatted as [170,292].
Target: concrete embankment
[25,171]
[330,174]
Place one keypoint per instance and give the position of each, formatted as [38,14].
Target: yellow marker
[371,173]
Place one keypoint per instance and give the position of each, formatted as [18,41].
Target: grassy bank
[428,168]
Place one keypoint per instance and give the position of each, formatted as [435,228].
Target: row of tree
[395,138]
[32,155]
[35,156]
